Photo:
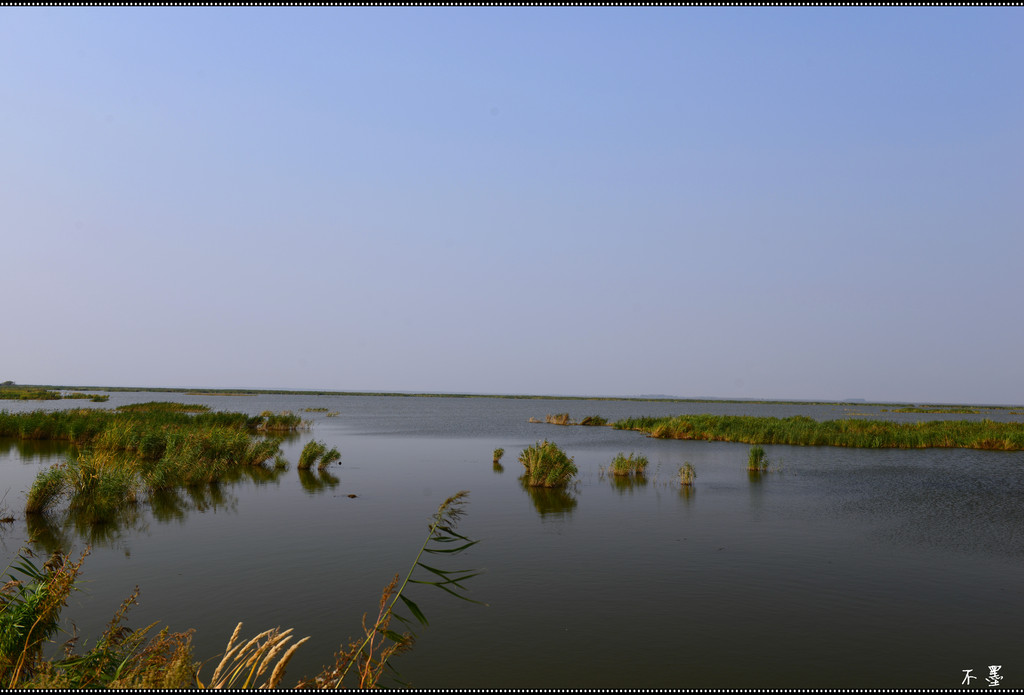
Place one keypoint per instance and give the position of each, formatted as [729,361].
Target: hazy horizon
[768,203]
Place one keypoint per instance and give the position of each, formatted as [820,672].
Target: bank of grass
[122,455]
[12,392]
[546,465]
[804,431]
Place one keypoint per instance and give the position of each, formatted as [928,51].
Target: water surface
[846,568]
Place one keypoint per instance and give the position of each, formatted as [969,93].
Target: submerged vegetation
[31,603]
[623,465]
[804,431]
[546,465]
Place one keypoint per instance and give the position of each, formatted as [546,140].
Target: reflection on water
[32,450]
[498,468]
[550,502]
[59,530]
[315,483]
[628,483]
[687,493]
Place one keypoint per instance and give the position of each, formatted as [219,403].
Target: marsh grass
[687,474]
[547,465]
[757,460]
[31,603]
[141,449]
[163,407]
[633,464]
[594,421]
[558,419]
[12,392]
[498,453]
[804,431]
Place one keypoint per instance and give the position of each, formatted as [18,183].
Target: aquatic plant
[628,465]
[122,658]
[687,474]
[547,465]
[311,453]
[558,419]
[498,453]
[804,431]
[329,457]
[162,407]
[757,460]
[593,421]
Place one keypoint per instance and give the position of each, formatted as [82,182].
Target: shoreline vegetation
[804,431]
[946,407]
[123,658]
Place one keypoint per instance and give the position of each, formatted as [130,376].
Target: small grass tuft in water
[316,453]
[757,459]
[594,421]
[687,474]
[498,453]
[629,465]
[547,465]
[558,419]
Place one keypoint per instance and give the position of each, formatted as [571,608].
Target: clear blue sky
[806,203]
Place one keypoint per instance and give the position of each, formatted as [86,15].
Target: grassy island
[804,431]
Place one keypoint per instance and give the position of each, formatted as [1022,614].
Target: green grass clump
[629,465]
[547,465]
[804,431]
[757,460]
[312,451]
[558,419]
[163,407]
[498,453]
[137,450]
[316,453]
[593,421]
[279,422]
[314,410]
[687,474]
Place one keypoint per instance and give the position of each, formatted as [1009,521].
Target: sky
[783,203]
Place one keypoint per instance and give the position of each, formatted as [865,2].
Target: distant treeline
[643,399]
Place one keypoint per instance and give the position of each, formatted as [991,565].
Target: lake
[842,568]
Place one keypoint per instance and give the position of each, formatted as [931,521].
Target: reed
[594,421]
[687,474]
[623,465]
[329,457]
[143,448]
[30,607]
[547,465]
[757,460]
[311,452]
[498,453]
[804,431]
[162,407]
[558,419]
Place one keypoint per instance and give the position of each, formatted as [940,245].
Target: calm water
[848,568]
